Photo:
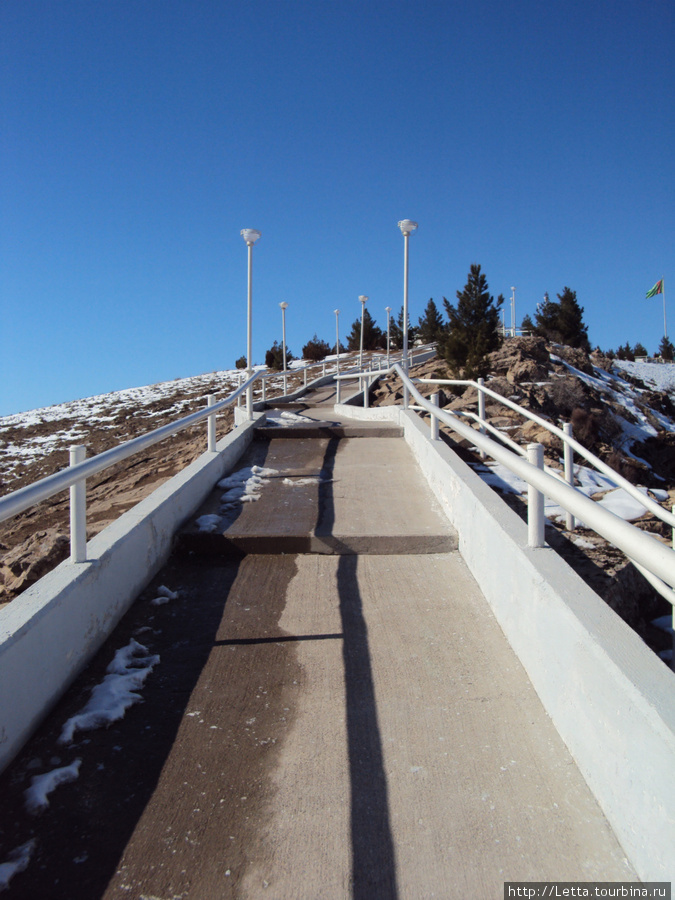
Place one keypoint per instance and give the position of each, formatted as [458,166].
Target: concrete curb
[50,632]
[611,699]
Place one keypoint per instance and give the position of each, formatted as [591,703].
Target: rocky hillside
[35,444]
[623,412]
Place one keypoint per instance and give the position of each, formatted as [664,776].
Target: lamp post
[388,309]
[250,235]
[284,307]
[513,312]
[407,227]
[337,339]
[362,300]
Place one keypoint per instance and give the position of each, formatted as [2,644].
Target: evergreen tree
[571,326]
[241,362]
[473,330]
[527,325]
[372,335]
[315,350]
[666,349]
[396,332]
[274,357]
[431,325]
[562,322]
[640,350]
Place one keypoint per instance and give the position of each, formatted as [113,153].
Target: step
[327,495]
[328,430]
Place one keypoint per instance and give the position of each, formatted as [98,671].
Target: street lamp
[337,339]
[513,311]
[362,299]
[388,309]
[250,235]
[407,227]
[284,307]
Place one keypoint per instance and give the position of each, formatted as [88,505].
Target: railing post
[285,383]
[211,426]
[305,376]
[535,501]
[239,384]
[366,391]
[435,399]
[481,409]
[338,384]
[78,509]
[568,459]
[264,389]
[323,369]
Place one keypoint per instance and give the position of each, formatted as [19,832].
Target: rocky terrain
[34,445]
[627,422]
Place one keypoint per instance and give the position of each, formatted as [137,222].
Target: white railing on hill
[654,559]
[74,477]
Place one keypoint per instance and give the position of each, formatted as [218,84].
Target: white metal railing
[653,559]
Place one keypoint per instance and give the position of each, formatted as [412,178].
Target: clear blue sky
[138,137]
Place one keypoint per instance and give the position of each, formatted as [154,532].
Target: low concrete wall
[50,632]
[611,699]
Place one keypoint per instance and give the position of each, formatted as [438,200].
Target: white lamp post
[362,300]
[513,311]
[284,307]
[388,309]
[407,227]
[250,235]
[337,339]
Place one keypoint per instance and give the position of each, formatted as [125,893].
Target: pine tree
[666,349]
[571,326]
[315,350]
[640,350]
[431,325]
[562,322]
[372,335]
[473,330]
[274,357]
[527,325]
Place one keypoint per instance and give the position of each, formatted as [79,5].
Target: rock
[31,559]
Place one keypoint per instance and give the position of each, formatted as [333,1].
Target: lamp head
[407,226]
[387,309]
[283,305]
[336,311]
[362,298]
[250,235]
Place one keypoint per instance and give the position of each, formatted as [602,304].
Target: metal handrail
[18,501]
[597,463]
[639,546]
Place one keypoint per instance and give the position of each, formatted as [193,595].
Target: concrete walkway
[337,713]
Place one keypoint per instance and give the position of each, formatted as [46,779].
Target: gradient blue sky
[138,137]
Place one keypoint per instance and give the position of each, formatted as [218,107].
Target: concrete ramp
[340,720]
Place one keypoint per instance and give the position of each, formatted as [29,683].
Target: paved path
[336,718]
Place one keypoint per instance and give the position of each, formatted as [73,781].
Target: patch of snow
[208,523]
[17,862]
[43,785]
[111,698]
[244,486]
[623,505]
[289,418]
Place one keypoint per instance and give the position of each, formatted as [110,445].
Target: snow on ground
[111,697]
[42,786]
[587,481]
[657,376]
[17,862]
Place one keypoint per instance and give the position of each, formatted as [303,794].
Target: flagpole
[663,291]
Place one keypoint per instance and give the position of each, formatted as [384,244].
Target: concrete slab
[315,502]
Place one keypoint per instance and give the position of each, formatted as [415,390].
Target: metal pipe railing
[638,545]
[568,441]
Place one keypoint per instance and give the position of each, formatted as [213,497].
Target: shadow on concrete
[373,855]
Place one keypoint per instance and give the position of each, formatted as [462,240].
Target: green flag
[657,289]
